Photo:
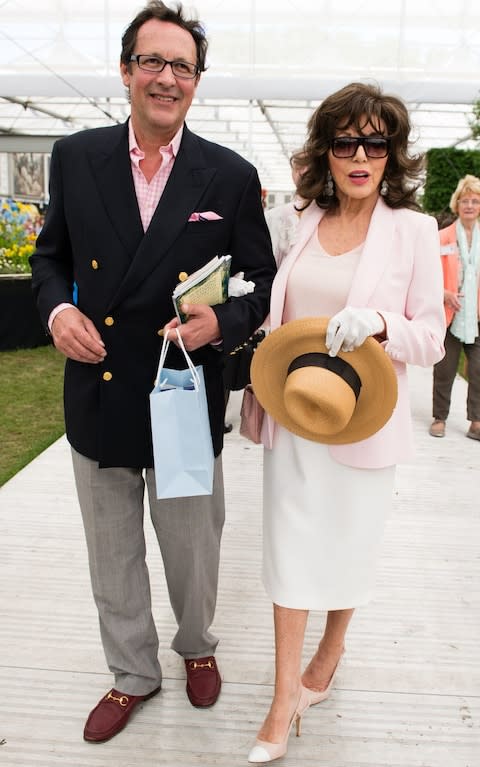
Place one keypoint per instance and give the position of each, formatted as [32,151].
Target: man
[122,223]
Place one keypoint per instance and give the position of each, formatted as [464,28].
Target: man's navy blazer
[93,237]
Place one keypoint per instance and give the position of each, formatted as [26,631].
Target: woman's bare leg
[319,671]
[289,635]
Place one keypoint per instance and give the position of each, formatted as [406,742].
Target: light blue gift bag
[182,442]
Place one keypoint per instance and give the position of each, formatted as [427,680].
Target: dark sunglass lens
[376,147]
[344,147]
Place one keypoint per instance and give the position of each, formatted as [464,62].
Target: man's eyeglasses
[374,147]
[473,203]
[182,69]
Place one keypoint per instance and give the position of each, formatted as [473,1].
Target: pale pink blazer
[399,274]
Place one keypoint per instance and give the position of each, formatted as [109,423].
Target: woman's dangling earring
[328,188]
[384,188]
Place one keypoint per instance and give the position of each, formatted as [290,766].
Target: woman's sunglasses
[374,147]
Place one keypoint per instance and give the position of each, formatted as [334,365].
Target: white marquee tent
[270,63]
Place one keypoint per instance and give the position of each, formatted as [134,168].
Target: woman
[365,257]
[460,250]
[282,219]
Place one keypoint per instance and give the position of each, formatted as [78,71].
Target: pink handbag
[251,416]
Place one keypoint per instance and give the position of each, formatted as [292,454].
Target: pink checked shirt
[148,194]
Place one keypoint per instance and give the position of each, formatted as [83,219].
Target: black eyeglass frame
[364,141]
[137,56]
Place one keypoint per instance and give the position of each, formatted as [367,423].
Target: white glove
[349,328]
[238,286]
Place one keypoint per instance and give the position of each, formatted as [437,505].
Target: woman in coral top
[460,251]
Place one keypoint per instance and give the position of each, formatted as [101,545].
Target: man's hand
[200,329]
[77,337]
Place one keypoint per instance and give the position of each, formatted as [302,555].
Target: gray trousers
[188,531]
[444,375]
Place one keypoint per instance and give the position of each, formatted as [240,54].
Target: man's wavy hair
[357,105]
[156,9]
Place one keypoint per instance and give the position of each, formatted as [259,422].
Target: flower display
[19,224]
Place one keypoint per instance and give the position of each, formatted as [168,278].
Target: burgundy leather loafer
[111,715]
[203,681]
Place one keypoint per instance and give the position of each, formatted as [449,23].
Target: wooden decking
[408,691]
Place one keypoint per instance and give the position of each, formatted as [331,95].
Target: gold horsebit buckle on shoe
[122,700]
[194,665]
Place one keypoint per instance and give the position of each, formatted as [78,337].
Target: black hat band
[336,365]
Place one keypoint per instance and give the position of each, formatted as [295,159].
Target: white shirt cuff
[56,311]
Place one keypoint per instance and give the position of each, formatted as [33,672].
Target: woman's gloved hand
[349,328]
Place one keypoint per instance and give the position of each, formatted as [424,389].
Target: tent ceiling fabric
[269,64]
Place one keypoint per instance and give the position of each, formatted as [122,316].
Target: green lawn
[31,405]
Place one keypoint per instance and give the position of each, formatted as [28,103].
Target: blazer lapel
[186,185]
[371,269]
[307,225]
[113,176]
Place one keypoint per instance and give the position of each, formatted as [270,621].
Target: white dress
[323,521]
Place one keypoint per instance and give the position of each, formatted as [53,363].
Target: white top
[319,283]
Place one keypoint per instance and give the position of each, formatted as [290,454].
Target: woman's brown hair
[357,105]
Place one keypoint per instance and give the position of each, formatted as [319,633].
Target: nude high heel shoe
[312,697]
[264,751]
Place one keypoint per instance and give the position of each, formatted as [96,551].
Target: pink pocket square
[207,215]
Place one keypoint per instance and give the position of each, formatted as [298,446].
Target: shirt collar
[136,154]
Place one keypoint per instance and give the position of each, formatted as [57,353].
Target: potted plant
[20,325]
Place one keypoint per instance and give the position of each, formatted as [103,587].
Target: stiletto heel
[264,751]
[298,722]
[312,697]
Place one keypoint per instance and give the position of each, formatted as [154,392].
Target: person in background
[284,235]
[131,207]
[460,256]
[365,257]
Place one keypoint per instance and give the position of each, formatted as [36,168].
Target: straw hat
[335,400]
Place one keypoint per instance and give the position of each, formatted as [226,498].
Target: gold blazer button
[182,276]
[109,321]
[94,264]
[107,376]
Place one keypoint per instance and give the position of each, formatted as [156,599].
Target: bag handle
[190,365]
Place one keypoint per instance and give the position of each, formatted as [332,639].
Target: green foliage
[445,167]
[31,405]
